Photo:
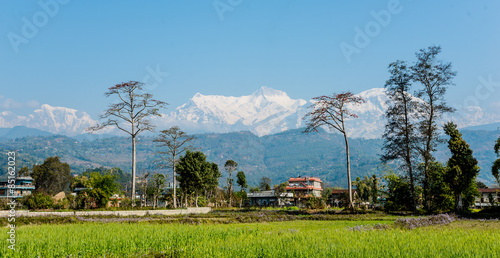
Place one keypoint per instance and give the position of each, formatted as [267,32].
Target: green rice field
[269,239]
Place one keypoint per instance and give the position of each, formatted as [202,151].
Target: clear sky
[67,53]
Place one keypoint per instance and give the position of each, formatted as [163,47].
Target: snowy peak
[58,120]
[263,112]
[269,92]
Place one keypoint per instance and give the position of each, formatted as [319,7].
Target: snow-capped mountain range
[266,111]
[58,120]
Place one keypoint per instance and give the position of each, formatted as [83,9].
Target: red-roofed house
[305,186]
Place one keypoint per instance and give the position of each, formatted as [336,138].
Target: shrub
[4,204]
[315,203]
[126,203]
[38,201]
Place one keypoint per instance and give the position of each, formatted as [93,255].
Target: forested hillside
[277,156]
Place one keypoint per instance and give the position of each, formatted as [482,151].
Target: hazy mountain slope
[278,156]
[58,120]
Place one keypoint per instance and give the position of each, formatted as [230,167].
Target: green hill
[278,156]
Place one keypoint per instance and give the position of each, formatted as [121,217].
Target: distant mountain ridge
[21,131]
[277,156]
[59,120]
[264,112]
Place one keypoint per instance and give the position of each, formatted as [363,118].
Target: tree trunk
[230,188]
[351,205]
[196,200]
[408,154]
[174,186]
[133,166]
[458,202]
[427,155]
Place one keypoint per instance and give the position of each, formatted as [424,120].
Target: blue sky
[232,47]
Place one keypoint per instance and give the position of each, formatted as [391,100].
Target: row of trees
[411,136]
[413,132]
[132,114]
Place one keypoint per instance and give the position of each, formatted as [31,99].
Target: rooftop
[489,190]
[303,179]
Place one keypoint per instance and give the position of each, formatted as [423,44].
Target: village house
[269,198]
[340,197]
[305,186]
[23,186]
[486,197]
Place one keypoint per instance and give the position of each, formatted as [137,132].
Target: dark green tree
[400,137]
[434,76]
[480,184]
[195,174]
[462,167]
[176,142]
[122,178]
[440,195]
[24,171]
[398,193]
[363,187]
[133,109]
[265,183]
[230,166]
[37,201]
[100,187]
[241,180]
[157,184]
[255,189]
[210,175]
[495,169]
[52,176]
[375,189]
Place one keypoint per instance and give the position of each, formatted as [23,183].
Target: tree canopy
[52,176]
[462,166]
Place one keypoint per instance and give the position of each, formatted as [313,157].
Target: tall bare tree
[131,114]
[332,112]
[434,76]
[176,143]
[230,166]
[400,136]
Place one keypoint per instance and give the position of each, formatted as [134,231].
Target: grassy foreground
[273,239]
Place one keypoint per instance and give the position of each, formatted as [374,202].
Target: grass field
[270,239]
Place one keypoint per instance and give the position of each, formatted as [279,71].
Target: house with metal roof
[21,186]
[270,198]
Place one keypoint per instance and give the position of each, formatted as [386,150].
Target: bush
[4,204]
[315,203]
[38,201]
[126,203]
